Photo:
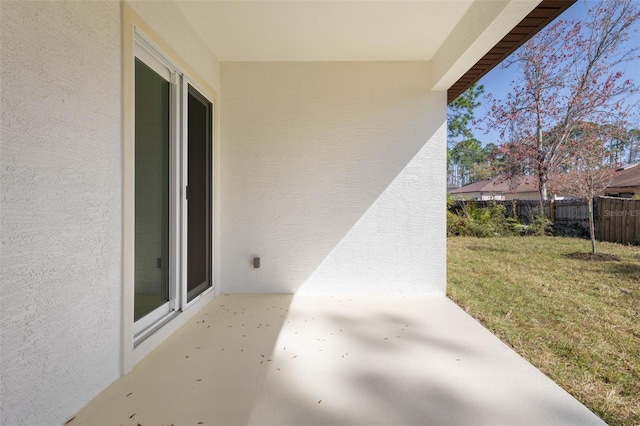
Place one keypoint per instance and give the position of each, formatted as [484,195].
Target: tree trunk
[592,229]
[542,192]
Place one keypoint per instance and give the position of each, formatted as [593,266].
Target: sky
[498,81]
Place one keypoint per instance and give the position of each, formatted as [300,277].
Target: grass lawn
[577,321]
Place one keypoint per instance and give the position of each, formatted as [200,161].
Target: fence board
[600,208]
[637,233]
[630,227]
[607,222]
[620,221]
[618,224]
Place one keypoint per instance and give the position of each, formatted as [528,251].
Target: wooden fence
[616,219]
[570,213]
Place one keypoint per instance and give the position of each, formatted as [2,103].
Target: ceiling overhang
[535,21]
[325,30]
[462,39]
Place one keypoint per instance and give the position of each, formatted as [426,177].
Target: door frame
[133,27]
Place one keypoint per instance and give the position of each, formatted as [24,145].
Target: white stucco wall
[61,208]
[61,212]
[333,174]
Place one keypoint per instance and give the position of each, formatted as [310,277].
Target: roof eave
[535,21]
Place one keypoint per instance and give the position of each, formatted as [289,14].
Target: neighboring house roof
[498,185]
[540,17]
[473,187]
[627,177]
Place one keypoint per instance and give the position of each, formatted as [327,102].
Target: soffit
[324,30]
[362,30]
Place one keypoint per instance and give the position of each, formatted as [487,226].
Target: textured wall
[334,174]
[61,209]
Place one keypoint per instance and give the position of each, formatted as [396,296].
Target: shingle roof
[627,177]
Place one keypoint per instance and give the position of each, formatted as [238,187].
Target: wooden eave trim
[545,13]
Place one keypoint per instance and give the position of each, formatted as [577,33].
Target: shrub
[467,219]
[569,230]
[539,226]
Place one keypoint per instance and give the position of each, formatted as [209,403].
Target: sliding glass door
[173,138]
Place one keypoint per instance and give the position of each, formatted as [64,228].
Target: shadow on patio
[307,359]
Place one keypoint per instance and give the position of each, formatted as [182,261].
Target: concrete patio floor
[333,360]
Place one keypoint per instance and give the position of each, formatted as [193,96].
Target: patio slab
[334,360]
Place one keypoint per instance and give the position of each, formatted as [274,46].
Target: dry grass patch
[577,320]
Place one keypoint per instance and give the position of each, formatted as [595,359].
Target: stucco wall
[61,209]
[333,174]
[61,218]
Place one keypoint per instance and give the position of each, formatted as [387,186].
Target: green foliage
[460,113]
[465,218]
[571,230]
[465,156]
[539,226]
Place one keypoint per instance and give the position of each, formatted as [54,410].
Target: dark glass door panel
[199,220]
[152,143]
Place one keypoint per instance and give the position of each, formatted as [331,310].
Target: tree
[588,173]
[495,158]
[569,75]
[460,114]
[633,141]
[463,158]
